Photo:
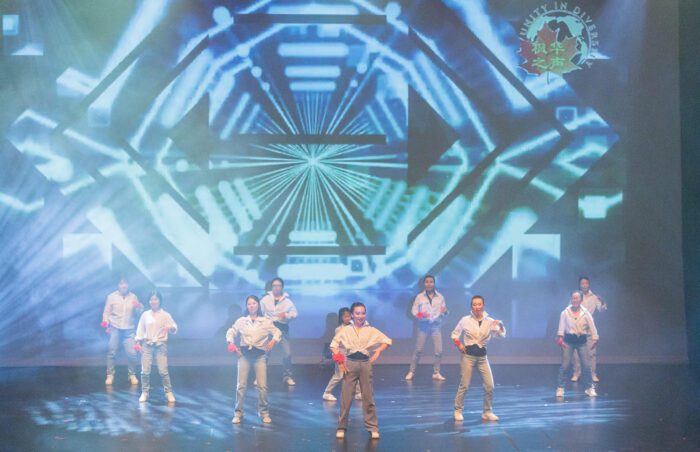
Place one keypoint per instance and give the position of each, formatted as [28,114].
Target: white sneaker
[255,382]
[266,419]
[458,416]
[575,378]
[560,392]
[170,397]
[409,376]
[590,392]
[144,397]
[358,396]
[109,380]
[438,376]
[375,435]
[340,434]
[290,381]
[329,397]
[596,379]
[489,416]
[236,419]
[133,380]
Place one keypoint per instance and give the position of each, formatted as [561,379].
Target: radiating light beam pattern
[257,174]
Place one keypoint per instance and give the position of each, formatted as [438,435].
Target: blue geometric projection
[256,141]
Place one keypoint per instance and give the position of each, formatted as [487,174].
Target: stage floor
[640,407]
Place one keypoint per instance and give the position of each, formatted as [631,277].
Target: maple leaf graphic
[546,54]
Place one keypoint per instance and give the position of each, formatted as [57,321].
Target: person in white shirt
[118,320]
[344,319]
[152,340]
[471,335]
[429,308]
[278,307]
[593,303]
[258,335]
[575,326]
[363,344]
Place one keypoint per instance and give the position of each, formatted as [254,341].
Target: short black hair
[474,297]
[581,278]
[342,311]
[277,278]
[357,304]
[155,293]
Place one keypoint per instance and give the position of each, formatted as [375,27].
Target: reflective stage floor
[640,407]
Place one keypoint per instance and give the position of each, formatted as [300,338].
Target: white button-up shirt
[592,302]
[120,311]
[431,306]
[254,333]
[155,326]
[272,310]
[360,340]
[341,349]
[469,332]
[580,324]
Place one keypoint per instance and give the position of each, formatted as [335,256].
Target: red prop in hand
[457,343]
[104,324]
[339,358]
[232,348]
[137,348]
[421,315]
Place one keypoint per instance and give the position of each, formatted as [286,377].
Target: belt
[357,356]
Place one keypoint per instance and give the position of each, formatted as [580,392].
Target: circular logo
[557,39]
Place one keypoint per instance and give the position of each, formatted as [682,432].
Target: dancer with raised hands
[471,335]
[258,335]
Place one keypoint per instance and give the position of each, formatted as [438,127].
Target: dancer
[152,340]
[476,330]
[575,326]
[278,307]
[344,319]
[118,320]
[593,303]
[258,335]
[358,339]
[429,307]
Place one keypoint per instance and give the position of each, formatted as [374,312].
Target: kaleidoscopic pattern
[338,146]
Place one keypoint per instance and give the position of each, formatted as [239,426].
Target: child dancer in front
[258,336]
[358,339]
[152,340]
[476,330]
[344,319]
